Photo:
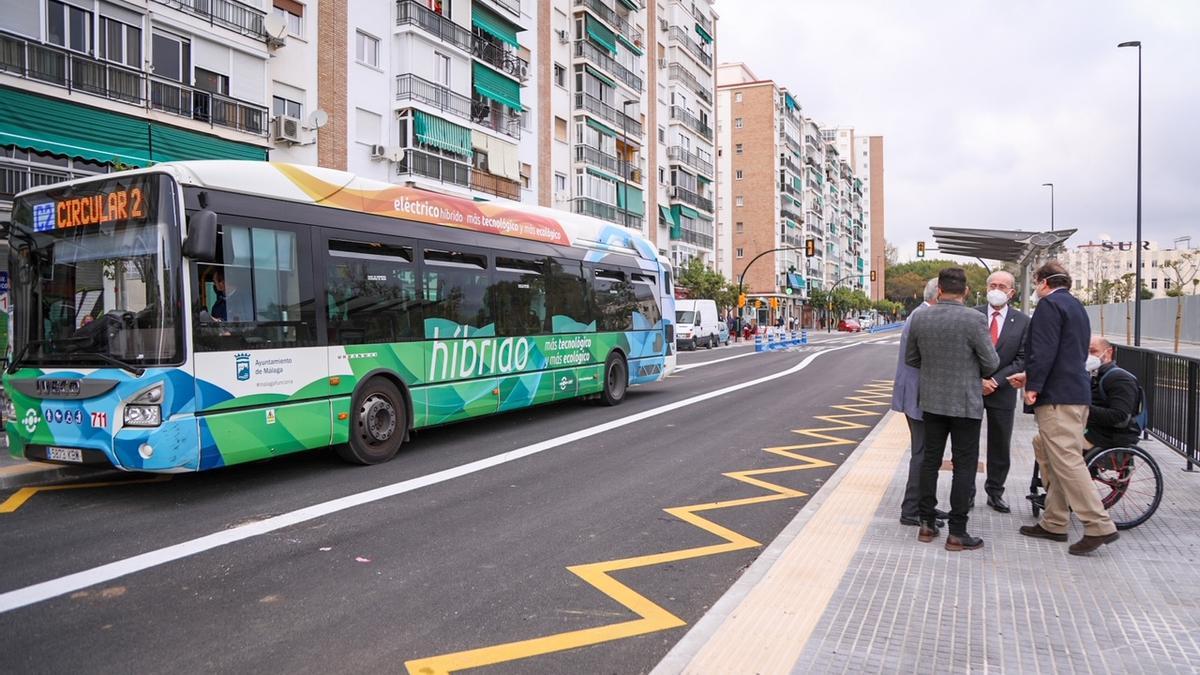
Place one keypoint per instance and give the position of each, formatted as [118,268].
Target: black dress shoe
[997,502]
[928,532]
[941,515]
[963,542]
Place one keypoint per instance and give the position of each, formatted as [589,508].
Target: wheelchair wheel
[1129,483]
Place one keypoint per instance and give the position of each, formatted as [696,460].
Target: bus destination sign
[117,204]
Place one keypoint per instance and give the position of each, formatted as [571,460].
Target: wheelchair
[1127,479]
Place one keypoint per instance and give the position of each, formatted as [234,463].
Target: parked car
[849,325]
[723,333]
[696,324]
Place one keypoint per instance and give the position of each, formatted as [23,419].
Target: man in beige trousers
[1058,387]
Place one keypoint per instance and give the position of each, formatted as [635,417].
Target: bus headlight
[143,415]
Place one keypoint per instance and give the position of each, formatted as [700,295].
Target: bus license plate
[65,455]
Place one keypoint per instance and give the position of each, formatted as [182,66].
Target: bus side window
[371,290]
[569,297]
[613,300]
[518,295]
[645,292]
[456,294]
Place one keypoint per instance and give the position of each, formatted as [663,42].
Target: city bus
[195,315]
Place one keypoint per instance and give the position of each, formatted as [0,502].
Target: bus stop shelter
[1022,248]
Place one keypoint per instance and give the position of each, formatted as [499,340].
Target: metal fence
[1158,318]
[1170,382]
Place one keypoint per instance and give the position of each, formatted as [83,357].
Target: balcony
[513,6]
[627,125]
[601,9]
[699,235]
[629,171]
[705,22]
[232,15]
[204,106]
[791,166]
[607,212]
[18,176]
[496,185]
[677,153]
[686,196]
[76,72]
[411,12]
[788,212]
[409,87]
[680,37]
[585,49]
[435,167]
[681,74]
[496,117]
[499,55]
[691,121]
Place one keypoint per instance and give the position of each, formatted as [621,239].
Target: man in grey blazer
[950,345]
[904,400]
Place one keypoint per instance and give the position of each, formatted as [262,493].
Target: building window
[292,14]
[738,174]
[560,76]
[560,182]
[662,176]
[737,123]
[212,82]
[69,26]
[740,252]
[481,160]
[366,49]
[1154,283]
[441,69]
[662,135]
[526,174]
[1166,284]
[171,58]
[737,149]
[737,98]
[740,227]
[739,201]
[560,129]
[120,43]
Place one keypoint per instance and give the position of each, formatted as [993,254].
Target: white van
[696,324]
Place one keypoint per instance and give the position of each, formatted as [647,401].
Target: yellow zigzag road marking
[653,617]
[18,498]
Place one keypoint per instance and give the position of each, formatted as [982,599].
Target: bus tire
[616,379]
[378,423]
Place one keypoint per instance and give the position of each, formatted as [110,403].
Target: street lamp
[1051,186]
[1137,244]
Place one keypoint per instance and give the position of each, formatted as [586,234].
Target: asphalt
[473,561]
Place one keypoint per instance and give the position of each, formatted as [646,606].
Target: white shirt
[999,320]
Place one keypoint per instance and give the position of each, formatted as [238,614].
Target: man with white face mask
[1006,326]
[1115,399]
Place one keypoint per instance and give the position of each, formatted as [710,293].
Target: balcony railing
[496,117]
[678,72]
[585,49]
[789,212]
[205,106]
[693,236]
[679,36]
[435,167]
[496,185]
[705,22]
[691,121]
[688,197]
[677,153]
[411,12]
[613,214]
[586,154]
[232,15]
[19,176]
[409,87]
[627,125]
[604,11]
[52,65]
[499,55]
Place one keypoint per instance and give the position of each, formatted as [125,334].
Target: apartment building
[865,154]
[1094,263]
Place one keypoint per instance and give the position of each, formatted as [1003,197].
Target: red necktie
[995,327]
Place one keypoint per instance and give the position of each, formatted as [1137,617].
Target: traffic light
[741,300]
[873,275]
[774,303]
[920,249]
[810,247]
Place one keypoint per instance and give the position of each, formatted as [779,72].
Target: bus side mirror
[201,243]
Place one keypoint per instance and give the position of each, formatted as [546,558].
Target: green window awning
[601,76]
[686,211]
[600,127]
[631,199]
[495,86]
[629,45]
[664,214]
[491,23]
[703,34]
[439,133]
[602,175]
[601,34]
[631,4]
[58,127]
[701,178]
[787,100]
[795,280]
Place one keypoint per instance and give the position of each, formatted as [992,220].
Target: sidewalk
[847,588]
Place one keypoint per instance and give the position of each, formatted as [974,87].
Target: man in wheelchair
[1116,400]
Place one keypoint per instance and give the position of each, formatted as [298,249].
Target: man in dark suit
[949,343]
[1058,387]
[1006,327]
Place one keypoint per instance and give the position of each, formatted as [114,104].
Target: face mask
[1092,364]
[997,298]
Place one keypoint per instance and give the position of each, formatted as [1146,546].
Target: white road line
[23,597]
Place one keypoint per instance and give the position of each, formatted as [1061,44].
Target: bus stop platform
[846,588]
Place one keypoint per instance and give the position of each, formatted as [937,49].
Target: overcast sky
[980,102]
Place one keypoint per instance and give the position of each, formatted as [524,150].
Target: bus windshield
[96,275]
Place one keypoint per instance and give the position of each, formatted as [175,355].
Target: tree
[890,255]
[701,280]
[1185,268]
[905,283]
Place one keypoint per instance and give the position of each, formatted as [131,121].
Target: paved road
[455,559]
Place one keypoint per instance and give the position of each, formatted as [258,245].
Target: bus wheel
[616,379]
[377,424]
